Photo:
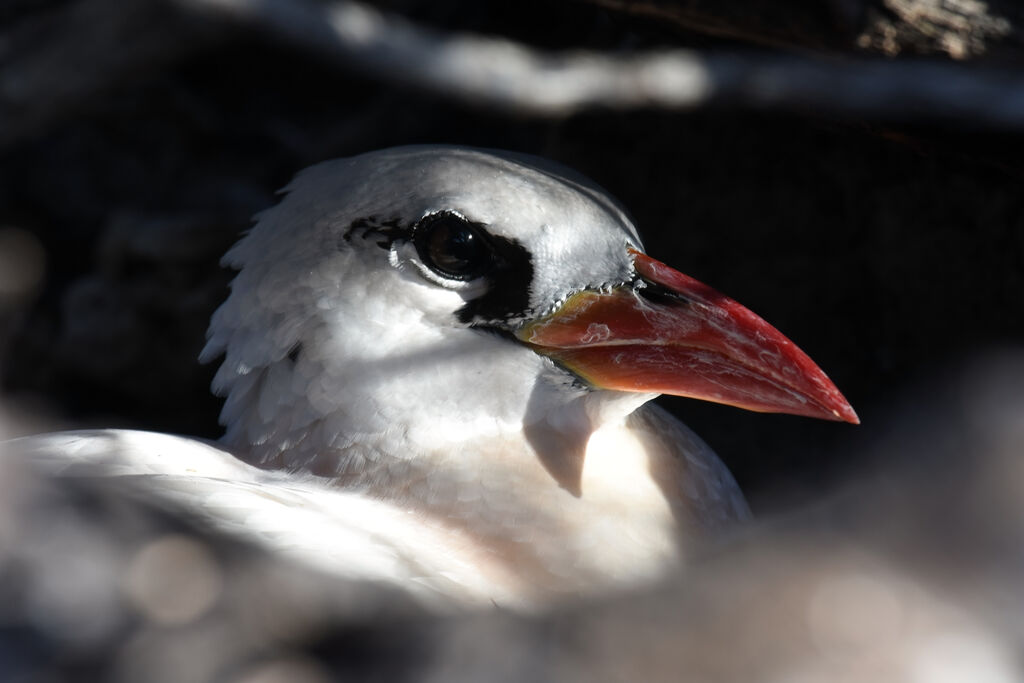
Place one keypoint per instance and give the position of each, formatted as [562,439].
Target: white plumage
[397,378]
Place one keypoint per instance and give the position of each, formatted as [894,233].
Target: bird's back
[342,533]
[442,564]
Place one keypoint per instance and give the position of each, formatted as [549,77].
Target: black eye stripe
[510,283]
[509,275]
[387,232]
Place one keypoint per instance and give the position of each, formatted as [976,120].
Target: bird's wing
[341,532]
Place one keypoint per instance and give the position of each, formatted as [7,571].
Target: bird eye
[451,246]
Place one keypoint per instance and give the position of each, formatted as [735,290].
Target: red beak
[671,334]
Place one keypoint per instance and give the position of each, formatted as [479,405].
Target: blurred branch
[507,75]
[960,30]
[822,26]
[72,55]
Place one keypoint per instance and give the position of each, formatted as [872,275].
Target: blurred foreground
[911,572]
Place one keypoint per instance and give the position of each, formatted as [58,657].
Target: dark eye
[451,246]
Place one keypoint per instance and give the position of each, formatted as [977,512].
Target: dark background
[889,245]
[853,174]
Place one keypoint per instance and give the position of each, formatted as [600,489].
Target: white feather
[408,447]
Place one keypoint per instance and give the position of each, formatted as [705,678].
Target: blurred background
[850,170]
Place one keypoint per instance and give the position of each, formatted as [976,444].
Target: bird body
[459,346]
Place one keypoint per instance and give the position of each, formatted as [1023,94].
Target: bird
[438,365]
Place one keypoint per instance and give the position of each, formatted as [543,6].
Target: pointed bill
[670,334]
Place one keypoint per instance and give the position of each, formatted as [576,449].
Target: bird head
[433,280]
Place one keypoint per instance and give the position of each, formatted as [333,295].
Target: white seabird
[437,363]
